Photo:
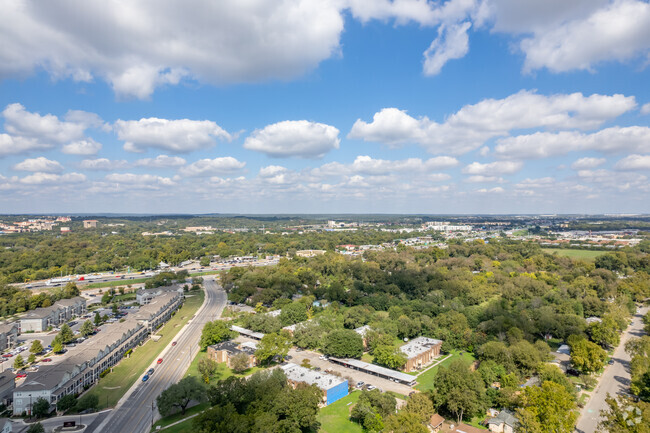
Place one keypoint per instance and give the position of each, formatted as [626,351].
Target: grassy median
[114,385]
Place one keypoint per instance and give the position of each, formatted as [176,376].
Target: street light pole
[151,413]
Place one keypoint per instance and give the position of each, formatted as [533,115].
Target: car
[173,343]
[150,371]
[46,360]
[360,384]
[322,357]
[610,362]
[7,355]
[316,368]
[159,361]
[21,374]
[145,378]
[370,387]
[299,349]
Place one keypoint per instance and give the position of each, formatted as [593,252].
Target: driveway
[615,379]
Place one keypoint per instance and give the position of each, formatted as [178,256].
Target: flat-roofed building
[144,296]
[247,332]
[90,224]
[8,335]
[227,350]
[420,352]
[333,387]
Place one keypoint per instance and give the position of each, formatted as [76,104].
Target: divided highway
[134,413]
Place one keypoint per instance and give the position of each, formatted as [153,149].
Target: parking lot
[357,376]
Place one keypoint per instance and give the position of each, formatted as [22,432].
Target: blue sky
[403,106]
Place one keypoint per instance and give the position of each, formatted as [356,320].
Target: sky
[325,106]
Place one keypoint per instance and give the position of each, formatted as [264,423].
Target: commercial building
[227,350]
[83,363]
[8,335]
[40,319]
[420,352]
[333,387]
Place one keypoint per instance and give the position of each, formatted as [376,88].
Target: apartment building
[40,319]
[8,335]
[333,387]
[420,352]
[227,350]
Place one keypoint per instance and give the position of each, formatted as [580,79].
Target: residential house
[435,422]
[504,422]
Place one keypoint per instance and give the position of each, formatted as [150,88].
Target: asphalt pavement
[615,380]
[136,411]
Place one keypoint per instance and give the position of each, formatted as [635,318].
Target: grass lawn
[222,372]
[522,232]
[113,283]
[177,417]
[574,254]
[183,427]
[425,380]
[112,387]
[366,357]
[124,297]
[335,418]
[475,421]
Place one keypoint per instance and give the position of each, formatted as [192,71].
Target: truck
[57,281]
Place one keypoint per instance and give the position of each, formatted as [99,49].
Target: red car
[46,360]
[7,355]
[21,374]
[159,360]
[173,343]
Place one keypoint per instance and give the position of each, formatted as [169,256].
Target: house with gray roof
[504,422]
[8,335]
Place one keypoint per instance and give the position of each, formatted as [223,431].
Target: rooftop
[322,380]
[376,369]
[247,332]
[362,330]
[505,417]
[418,346]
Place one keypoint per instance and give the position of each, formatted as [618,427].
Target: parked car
[46,360]
[145,378]
[370,387]
[7,355]
[610,362]
[21,374]
[360,384]
[159,360]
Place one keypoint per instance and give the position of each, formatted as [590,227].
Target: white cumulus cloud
[82,147]
[139,179]
[40,164]
[211,167]
[289,138]
[587,162]
[53,179]
[177,136]
[103,164]
[633,162]
[452,43]
[493,168]
[161,161]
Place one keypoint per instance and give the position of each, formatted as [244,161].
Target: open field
[335,418]
[163,422]
[574,254]
[223,372]
[425,380]
[115,283]
[112,387]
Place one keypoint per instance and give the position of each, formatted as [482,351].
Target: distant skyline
[325,107]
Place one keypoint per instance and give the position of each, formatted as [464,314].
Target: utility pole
[151,413]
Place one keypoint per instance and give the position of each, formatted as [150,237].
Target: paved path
[136,411]
[615,379]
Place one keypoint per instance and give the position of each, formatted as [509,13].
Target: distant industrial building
[90,224]
[334,388]
[226,351]
[420,352]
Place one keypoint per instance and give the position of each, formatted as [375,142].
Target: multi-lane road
[134,413]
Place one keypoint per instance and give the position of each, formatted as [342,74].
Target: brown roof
[464,428]
[436,420]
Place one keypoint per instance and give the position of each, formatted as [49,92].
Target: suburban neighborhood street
[615,380]
[136,411]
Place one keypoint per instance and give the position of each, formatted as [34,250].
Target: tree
[66,403]
[371,409]
[308,335]
[605,333]
[114,308]
[31,358]
[19,362]
[420,405]
[459,390]
[98,319]
[71,290]
[215,332]
[66,334]
[625,416]
[36,347]
[389,356]
[41,408]
[57,344]
[179,396]
[36,428]
[106,298]
[404,422]
[207,367]
[205,261]
[547,409]
[586,356]
[343,343]
[295,312]
[87,328]
[272,345]
[239,363]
